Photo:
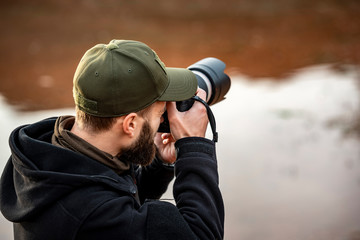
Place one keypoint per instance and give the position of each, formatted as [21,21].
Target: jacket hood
[39,173]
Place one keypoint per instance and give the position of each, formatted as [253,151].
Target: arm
[199,204]
[196,190]
[197,195]
[199,210]
[153,180]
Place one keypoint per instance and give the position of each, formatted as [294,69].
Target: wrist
[198,145]
[161,162]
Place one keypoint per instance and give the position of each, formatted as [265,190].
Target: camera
[211,78]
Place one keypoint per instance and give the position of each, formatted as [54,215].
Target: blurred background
[289,153]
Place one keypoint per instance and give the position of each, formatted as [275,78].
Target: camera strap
[210,117]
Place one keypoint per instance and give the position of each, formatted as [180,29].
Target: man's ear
[130,124]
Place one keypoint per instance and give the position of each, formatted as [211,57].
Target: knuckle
[202,93]
[202,110]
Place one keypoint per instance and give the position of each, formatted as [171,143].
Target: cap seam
[113,79]
[79,93]
[147,68]
[129,54]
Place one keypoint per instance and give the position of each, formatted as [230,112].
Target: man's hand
[165,147]
[192,123]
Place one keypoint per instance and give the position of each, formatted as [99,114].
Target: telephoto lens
[211,78]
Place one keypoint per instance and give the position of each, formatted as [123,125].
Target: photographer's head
[120,90]
[123,76]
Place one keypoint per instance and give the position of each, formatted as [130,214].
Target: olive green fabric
[126,76]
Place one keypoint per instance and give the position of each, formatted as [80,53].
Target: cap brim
[182,85]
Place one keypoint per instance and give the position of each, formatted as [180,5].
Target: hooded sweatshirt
[50,192]
[63,137]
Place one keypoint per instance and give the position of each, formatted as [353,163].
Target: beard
[143,150]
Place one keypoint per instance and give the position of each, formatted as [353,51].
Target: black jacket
[53,193]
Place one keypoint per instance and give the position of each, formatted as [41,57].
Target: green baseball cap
[127,76]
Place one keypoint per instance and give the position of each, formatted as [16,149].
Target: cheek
[155,125]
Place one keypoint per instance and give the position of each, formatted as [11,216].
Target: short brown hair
[98,124]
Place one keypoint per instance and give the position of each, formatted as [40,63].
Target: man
[100,175]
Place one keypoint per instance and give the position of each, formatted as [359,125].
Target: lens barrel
[211,78]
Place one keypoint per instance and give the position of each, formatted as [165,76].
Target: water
[287,170]
[288,152]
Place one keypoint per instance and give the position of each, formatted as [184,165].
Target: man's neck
[103,140]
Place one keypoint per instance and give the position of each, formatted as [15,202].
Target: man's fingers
[167,138]
[201,94]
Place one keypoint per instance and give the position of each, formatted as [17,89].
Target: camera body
[211,78]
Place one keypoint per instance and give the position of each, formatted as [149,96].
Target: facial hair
[141,152]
